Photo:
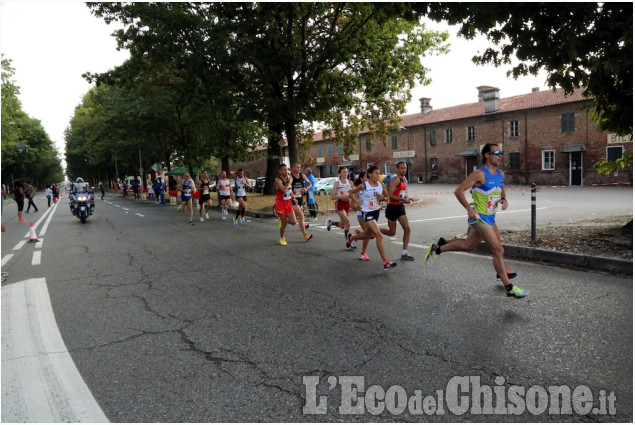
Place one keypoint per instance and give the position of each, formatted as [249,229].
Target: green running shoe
[431,253]
[516,292]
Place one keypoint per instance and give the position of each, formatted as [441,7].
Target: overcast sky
[52,44]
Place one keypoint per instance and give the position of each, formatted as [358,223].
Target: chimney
[490,97]
[483,89]
[535,90]
[425,105]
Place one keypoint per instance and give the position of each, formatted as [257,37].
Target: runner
[341,191]
[395,211]
[206,198]
[298,187]
[488,191]
[225,191]
[185,187]
[372,193]
[241,196]
[284,195]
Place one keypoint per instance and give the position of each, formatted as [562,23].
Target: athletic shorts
[284,207]
[371,215]
[185,198]
[343,206]
[244,198]
[487,219]
[300,201]
[204,198]
[393,212]
[225,197]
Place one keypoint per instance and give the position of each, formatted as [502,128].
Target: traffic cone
[32,236]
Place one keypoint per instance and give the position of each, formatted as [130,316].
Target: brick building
[547,137]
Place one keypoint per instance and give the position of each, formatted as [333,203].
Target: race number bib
[297,192]
[344,192]
[288,195]
[492,203]
[373,202]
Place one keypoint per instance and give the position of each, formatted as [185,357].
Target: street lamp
[21,149]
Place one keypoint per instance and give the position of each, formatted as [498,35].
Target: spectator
[29,192]
[48,194]
[18,195]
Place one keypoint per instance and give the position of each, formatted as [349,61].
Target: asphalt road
[174,323]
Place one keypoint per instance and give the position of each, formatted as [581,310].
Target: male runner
[298,187]
[395,211]
[186,186]
[224,188]
[488,191]
[241,196]
[206,199]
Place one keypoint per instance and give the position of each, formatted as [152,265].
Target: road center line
[6,259]
[37,258]
[140,215]
[19,245]
[46,225]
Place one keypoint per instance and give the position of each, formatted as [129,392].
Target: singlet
[283,196]
[186,188]
[240,186]
[343,189]
[224,187]
[486,195]
[297,186]
[401,191]
[205,187]
[368,197]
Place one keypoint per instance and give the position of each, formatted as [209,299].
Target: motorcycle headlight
[82,198]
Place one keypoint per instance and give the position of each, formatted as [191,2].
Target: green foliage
[607,167]
[579,45]
[39,163]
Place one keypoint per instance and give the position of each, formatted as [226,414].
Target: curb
[564,259]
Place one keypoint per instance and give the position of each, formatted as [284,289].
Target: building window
[433,164]
[387,168]
[329,149]
[370,164]
[448,135]
[568,123]
[369,145]
[471,133]
[514,161]
[548,160]
[320,151]
[613,153]
[394,142]
[433,137]
[330,171]
[340,149]
[513,129]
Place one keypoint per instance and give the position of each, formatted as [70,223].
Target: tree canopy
[39,163]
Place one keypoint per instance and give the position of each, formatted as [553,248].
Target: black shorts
[204,198]
[300,201]
[371,215]
[393,212]
[224,197]
[20,204]
[244,198]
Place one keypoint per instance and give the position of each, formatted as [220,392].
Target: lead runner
[488,192]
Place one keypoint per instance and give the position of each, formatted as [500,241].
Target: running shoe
[191,224]
[178,209]
[389,265]
[206,215]
[202,219]
[431,253]
[351,248]
[22,220]
[349,241]
[407,257]
[307,237]
[283,242]
[223,217]
[306,226]
[516,292]
[242,220]
[364,257]
[510,274]
[329,222]
[235,222]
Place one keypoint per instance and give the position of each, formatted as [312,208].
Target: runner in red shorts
[341,194]
[284,195]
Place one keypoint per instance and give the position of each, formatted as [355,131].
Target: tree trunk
[273,158]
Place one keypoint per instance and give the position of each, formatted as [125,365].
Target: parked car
[252,182]
[325,186]
[260,184]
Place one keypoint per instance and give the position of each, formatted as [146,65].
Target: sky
[51,44]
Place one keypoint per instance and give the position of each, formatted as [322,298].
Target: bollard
[533,213]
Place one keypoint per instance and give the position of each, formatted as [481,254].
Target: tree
[586,45]
[288,64]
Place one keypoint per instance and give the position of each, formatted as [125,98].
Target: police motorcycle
[82,199]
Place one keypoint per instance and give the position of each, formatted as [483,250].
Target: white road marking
[37,258]
[140,215]
[19,244]
[46,225]
[125,209]
[6,259]
[37,223]
[38,244]
[40,382]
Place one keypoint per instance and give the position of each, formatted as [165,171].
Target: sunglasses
[495,152]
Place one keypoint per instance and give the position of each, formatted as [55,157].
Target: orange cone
[32,236]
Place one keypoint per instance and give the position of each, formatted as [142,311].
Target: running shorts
[371,215]
[487,219]
[284,207]
[343,206]
[393,212]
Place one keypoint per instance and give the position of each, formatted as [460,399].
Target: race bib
[288,195]
[241,190]
[297,192]
[343,192]
[492,203]
[373,202]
